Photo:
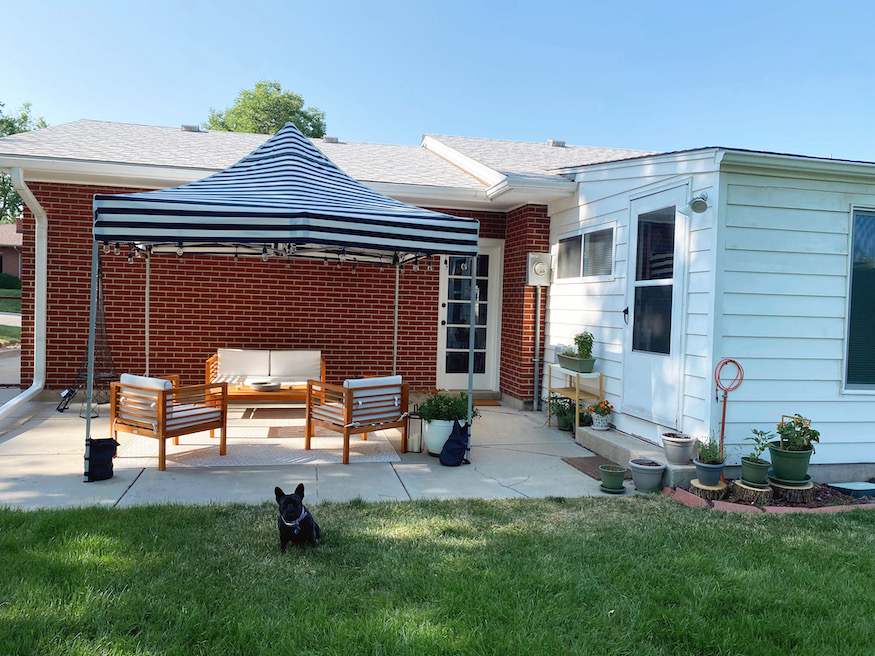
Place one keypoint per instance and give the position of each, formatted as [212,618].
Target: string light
[416,264]
[106,247]
[116,249]
[179,249]
[264,254]
[130,257]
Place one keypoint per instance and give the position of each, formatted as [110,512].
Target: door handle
[626,316]
[443,323]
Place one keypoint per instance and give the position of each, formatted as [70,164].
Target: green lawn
[634,575]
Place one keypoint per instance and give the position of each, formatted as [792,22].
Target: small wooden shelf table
[575,386]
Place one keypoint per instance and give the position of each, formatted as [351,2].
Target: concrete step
[621,448]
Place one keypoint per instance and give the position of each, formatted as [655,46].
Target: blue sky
[792,77]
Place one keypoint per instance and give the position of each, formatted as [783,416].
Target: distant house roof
[9,235]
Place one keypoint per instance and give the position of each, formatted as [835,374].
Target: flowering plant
[797,434]
[603,408]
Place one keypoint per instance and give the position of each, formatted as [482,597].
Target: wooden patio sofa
[265,375]
[161,408]
[358,407]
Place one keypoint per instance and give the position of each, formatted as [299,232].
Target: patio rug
[253,446]
[274,413]
[590,466]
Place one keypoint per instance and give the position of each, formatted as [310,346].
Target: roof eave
[42,169]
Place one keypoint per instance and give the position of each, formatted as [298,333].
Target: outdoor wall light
[699,203]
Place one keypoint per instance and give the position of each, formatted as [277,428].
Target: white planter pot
[679,450]
[600,422]
[435,434]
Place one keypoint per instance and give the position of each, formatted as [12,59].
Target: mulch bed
[824,495]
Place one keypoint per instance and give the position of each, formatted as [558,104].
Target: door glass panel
[460,313]
[459,266]
[655,254]
[861,337]
[652,329]
[459,289]
[457,338]
[457,362]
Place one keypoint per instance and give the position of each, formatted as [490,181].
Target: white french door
[654,313]
[454,319]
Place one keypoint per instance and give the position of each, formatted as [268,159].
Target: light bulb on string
[116,249]
[106,247]
[179,250]
[416,264]
[130,257]
[264,254]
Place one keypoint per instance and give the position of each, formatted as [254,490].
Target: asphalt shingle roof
[522,157]
[123,143]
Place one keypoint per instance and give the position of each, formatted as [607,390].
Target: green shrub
[8,281]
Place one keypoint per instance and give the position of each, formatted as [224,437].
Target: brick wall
[200,303]
[528,230]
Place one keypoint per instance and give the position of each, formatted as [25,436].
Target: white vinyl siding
[785,285]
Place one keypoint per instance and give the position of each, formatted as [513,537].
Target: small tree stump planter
[794,493]
[752,494]
[709,492]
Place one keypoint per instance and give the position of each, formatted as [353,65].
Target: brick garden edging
[692,501]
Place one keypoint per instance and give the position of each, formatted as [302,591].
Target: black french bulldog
[295,522]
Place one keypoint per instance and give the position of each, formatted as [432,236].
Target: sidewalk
[513,454]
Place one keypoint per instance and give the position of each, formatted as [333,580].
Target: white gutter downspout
[40,294]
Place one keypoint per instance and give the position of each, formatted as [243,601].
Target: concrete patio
[513,454]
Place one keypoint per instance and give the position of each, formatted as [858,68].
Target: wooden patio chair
[161,408]
[358,407]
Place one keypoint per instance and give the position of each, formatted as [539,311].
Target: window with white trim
[860,371]
[588,255]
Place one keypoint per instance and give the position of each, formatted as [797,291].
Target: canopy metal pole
[395,329]
[147,312]
[92,322]
[471,328]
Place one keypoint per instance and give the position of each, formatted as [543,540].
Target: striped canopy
[285,199]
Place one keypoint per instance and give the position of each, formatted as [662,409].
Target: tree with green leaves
[22,121]
[265,110]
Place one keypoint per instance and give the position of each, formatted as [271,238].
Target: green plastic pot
[789,465]
[564,422]
[580,365]
[754,473]
[612,476]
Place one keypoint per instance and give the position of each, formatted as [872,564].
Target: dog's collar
[295,523]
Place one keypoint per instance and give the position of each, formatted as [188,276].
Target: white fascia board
[634,162]
[488,176]
[40,169]
[539,188]
[796,165]
[425,195]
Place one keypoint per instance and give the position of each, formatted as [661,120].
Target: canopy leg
[89,380]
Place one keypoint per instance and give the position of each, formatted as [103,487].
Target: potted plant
[646,474]
[601,413]
[579,357]
[679,448]
[791,453]
[754,468]
[709,463]
[438,413]
[563,409]
[612,478]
